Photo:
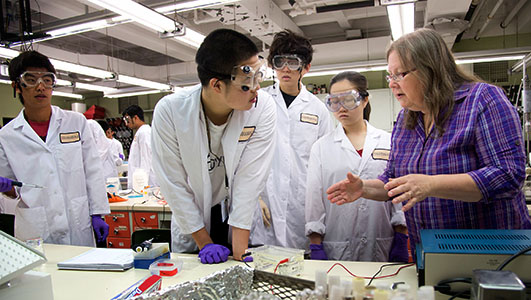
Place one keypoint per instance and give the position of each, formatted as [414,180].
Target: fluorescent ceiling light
[191,37]
[8,53]
[401,19]
[150,18]
[337,71]
[142,82]
[131,93]
[138,13]
[70,67]
[488,59]
[79,28]
[69,95]
[194,4]
[94,87]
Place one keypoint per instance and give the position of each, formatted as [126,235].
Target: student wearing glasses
[55,149]
[457,158]
[212,148]
[364,230]
[301,119]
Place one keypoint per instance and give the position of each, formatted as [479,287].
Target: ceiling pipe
[489,18]
[513,13]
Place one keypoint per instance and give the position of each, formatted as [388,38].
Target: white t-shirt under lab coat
[361,230]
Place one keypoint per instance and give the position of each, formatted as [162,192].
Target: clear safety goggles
[349,100]
[293,61]
[249,76]
[34,78]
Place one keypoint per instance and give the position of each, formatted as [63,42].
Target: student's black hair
[288,42]
[134,110]
[25,60]
[104,125]
[222,50]
[361,84]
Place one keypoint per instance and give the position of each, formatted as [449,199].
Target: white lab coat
[361,230]
[109,158]
[118,148]
[70,171]
[140,156]
[286,184]
[180,149]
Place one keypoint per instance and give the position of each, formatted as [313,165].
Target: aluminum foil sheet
[230,284]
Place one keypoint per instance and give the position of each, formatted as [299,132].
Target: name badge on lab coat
[69,137]
[380,154]
[247,133]
[309,118]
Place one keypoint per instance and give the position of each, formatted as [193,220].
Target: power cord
[444,287]
[507,261]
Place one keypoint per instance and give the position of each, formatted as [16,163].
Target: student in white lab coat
[363,230]
[140,151]
[54,148]
[212,148]
[302,119]
[117,147]
[109,158]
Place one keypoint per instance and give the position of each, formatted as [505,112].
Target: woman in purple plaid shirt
[457,154]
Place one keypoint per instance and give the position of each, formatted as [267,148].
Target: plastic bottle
[426,292]
[358,288]
[140,179]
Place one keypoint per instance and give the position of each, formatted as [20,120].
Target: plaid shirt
[482,138]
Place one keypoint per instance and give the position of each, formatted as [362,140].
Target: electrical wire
[507,261]
[404,265]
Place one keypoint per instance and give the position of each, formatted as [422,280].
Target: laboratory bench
[135,214]
[79,285]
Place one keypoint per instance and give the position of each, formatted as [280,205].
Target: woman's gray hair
[425,51]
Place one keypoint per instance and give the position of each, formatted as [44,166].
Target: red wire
[379,277]
[285,260]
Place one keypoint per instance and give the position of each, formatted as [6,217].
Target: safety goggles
[293,61]
[249,76]
[349,100]
[34,78]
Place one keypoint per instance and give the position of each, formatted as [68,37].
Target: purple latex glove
[5,184]
[213,254]
[121,156]
[398,251]
[317,252]
[247,258]
[100,227]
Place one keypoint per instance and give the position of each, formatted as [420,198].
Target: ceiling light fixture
[191,5]
[152,19]
[401,19]
[143,82]
[75,68]
[131,93]
[68,95]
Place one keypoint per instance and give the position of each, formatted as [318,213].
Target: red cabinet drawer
[118,218]
[116,242]
[145,220]
[119,231]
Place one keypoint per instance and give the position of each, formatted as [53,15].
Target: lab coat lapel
[194,151]
[371,140]
[54,127]
[232,149]
[279,101]
[21,124]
